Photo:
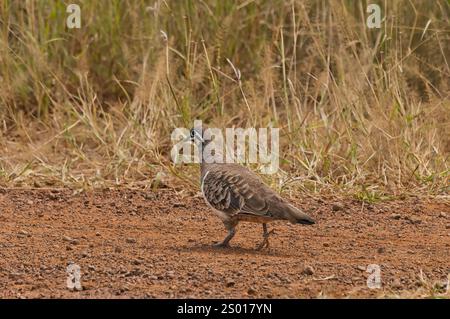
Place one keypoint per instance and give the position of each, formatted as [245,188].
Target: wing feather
[235,194]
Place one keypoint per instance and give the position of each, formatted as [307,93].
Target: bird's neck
[207,159]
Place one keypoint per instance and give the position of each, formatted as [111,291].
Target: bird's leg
[266,234]
[231,226]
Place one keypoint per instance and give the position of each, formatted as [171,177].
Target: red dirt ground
[133,243]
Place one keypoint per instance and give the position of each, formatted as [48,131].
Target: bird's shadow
[230,250]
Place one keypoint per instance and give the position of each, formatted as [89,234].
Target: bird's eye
[192,133]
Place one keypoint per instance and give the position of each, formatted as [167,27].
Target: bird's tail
[293,214]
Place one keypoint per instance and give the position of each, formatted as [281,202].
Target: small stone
[230,283]
[117,249]
[137,262]
[397,284]
[251,291]
[443,215]
[24,233]
[326,245]
[170,274]
[149,196]
[70,240]
[414,220]
[447,226]
[361,268]
[308,270]
[337,207]
[396,216]
[52,196]
[131,240]
[381,250]
[67,238]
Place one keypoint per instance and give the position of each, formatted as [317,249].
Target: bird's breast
[220,214]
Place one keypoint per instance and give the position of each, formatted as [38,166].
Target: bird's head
[195,135]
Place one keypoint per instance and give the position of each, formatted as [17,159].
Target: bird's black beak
[193,135]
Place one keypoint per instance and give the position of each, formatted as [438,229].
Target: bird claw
[221,245]
[265,242]
[270,233]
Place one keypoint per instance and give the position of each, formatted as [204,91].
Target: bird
[236,194]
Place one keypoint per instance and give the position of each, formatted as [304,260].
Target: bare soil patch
[133,243]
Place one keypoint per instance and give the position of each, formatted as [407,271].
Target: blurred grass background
[361,111]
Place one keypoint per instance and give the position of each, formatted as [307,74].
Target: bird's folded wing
[235,195]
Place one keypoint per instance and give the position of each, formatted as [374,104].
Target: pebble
[131,240]
[52,196]
[337,207]
[24,233]
[414,220]
[396,216]
[361,268]
[443,215]
[396,284]
[137,262]
[308,270]
[251,291]
[230,283]
[70,240]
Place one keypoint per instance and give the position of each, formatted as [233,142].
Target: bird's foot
[265,242]
[221,245]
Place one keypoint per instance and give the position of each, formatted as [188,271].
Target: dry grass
[362,111]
